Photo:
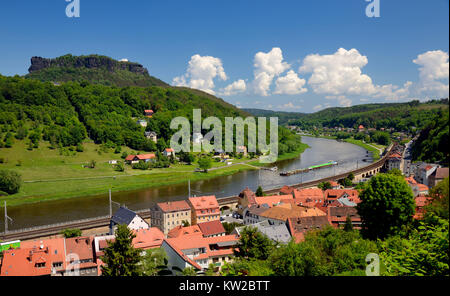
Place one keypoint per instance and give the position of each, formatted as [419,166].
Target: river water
[347,155]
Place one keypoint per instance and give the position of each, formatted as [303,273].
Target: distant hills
[407,116]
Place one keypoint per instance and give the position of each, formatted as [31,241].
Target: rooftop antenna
[6,219]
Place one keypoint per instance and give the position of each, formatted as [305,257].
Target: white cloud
[434,66]
[236,87]
[343,100]
[267,66]
[289,106]
[392,92]
[201,73]
[339,73]
[290,84]
[317,107]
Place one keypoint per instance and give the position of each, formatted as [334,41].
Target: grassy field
[285,156]
[50,175]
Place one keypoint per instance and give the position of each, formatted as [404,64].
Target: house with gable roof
[127,217]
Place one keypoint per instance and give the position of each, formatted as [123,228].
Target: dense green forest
[69,113]
[65,115]
[432,143]
[407,117]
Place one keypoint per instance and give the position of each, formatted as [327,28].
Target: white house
[168,152]
[127,217]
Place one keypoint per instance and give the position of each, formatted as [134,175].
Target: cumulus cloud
[339,73]
[290,84]
[201,72]
[393,92]
[267,66]
[236,87]
[434,67]
[343,100]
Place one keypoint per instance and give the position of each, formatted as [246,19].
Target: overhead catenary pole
[189,188]
[6,220]
[110,204]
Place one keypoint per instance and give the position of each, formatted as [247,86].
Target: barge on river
[314,167]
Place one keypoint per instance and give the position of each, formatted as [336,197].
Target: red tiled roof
[184,231]
[271,200]
[82,246]
[286,190]
[169,150]
[313,193]
[395,155]
[174,206]
[204,202]
[250,195]
[130,157]
[337,193]
[148,238]
[22,261]
[146,156]
[211,228]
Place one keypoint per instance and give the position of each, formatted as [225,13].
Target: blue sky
[294,55]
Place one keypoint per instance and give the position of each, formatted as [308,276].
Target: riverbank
[286,156]
[50,176]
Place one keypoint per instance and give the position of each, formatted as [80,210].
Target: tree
[189,271]
[439,201]
[324,185]
[154,262]
[119,167]
[205,163]
[68,233]
[395,172]
[10,181]
[229,227]
[253,244]
[387,204]
[424,252]
[348,224]
[121,258]
[185,223]
[259,191]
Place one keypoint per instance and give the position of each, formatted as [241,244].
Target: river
[347,155]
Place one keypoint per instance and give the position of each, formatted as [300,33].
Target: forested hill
[66,114]
[93,68]
[283,117]
[433,141]
[410,116]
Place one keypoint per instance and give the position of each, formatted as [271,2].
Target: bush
[10,181]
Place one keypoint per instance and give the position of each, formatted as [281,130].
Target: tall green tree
[121,258]
[387,205]
[205,163]
[259,191]
[253,244]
